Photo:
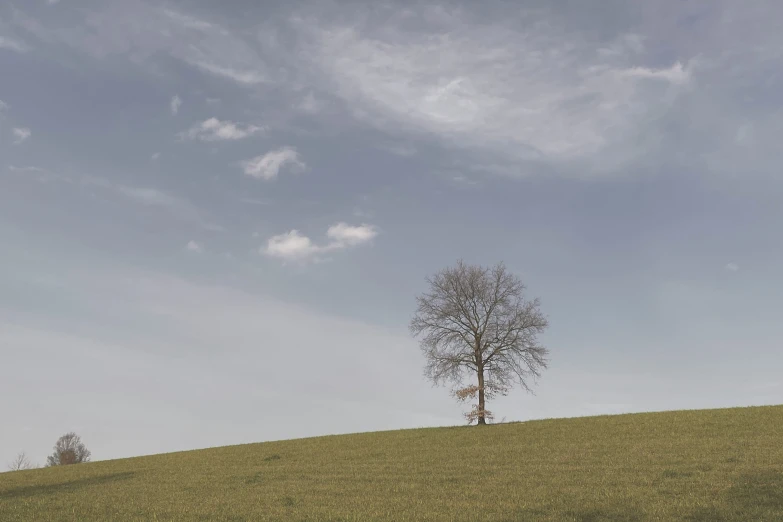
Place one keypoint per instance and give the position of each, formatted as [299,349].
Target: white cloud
[539,94]
[216,130]
[676,74]
[175,104]
[267,166]
[3,106]
[194,246]
[21,134]
[293,246]
[239,76]
[343,234]
[508,86]
[155,156]
[12,45]
[732,267]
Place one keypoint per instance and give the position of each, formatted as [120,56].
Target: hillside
[709,465]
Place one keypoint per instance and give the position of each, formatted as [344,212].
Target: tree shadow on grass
[49,489]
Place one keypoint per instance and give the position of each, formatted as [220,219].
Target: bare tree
[475,322]
[20,462]
[69,450]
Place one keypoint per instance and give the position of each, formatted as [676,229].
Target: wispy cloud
[239,76]
[294,246]
[732,267]
[177,207]
[676,74]
[309,104]
[155,157]
[216,130]
[143,30]
[188,22]
[194,246]
[175,104]
[21,134]
[3,106]
[267,166]
[400,149]
[12,45]
[524,88]
[539,94]
[14,168]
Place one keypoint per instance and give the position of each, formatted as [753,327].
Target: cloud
[675,74]
[188,22]
[143,31]
[177,207]
[513,90]
[149,196]
[14,168]
[155,156]
[175,103]
[21,134]
[216,130]
[309,104]
[12,45]
[267,166]
[244,77]
[293,246]
[3,106]
[732,267]
[194,246]
[343,234]
[505,95]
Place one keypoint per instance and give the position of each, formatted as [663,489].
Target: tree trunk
[481,419]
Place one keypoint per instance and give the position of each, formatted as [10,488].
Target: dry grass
[708,465]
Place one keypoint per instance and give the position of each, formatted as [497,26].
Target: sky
[215,216]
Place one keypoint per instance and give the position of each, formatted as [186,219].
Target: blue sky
[215,217]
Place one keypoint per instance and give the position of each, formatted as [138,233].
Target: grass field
[703,465]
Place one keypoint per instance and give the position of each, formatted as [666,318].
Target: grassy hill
[708,465]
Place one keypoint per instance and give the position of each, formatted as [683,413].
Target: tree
[69,450]
[20,462]
[475,322]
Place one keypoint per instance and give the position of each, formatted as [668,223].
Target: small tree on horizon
[475,323]
[21,462]
[69,450]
